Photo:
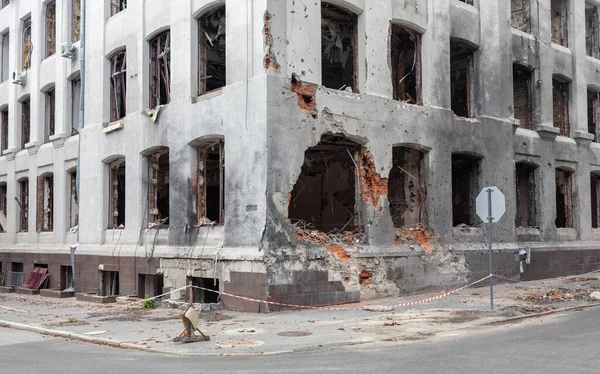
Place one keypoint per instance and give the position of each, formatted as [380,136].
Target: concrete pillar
[374,34]
[436,56]
[578,109]
[541,27]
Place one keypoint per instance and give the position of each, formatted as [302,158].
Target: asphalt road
[564,343]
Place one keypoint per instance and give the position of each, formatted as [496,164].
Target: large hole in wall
[526,192]
[560,105]
[465,187]
[564,199]
[407,191]
[338,48]
[406,64]
[523,96]
[595,195]
[325,195]
[461,75]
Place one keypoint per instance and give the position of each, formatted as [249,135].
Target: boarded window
[3,207]
[407,190]
[50,28]
[461,75]
[526,195]
[521,15]
[25,124]
[108,283]
[338,48]
[27,44]
[325,194]
[559,13]
[211,51]
[23,203]
[564,199]
[210,185]
[117,194]
[45,203]
[49,115]
[406,64]
[158,188]
[117,6]
[5,73]
[75,104]
[560,106]
[76,21]
[523,96]
[118,86]
[593,108]
[73,201]
[595,195]
[3,130]
[465,187]
[160,70]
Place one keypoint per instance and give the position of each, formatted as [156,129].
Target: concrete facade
[272,109]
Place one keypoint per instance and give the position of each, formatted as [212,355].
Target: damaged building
[306,153]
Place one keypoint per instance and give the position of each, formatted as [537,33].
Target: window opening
[109,283]
[73,201]
[158,188]
[560,98]
[16,276]
[76,21]
[50,28]
[75,104]
[325,195]
[595,195]
[45,203]
[407,189]
[591,30]
[160,70]
[338,48]
[5,57]
[210,186]
[49,117]
[521,15]
[118,86]
[117,6]
[526,200]
[469,2]
[66,278]
[4,131]
[117,196]
[23,203]
[25,116]
[593,112]
[465,188]
[202,296]
[406,64]
[461,74]
[149,285]
[27,44]
[3,207]
[560,15]
[523,96]
[211,51]
[564,199]
[5,3]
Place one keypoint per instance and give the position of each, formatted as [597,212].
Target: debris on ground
[69,322]
[556,295]
[526,309]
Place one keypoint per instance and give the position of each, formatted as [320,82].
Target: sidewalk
[241,333]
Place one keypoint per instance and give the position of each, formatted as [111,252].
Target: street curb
[541,314]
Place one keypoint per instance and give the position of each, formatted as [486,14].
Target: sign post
[490,206]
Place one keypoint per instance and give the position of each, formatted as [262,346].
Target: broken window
[526,200]
[49,115]
[4,74]
[27,45]
[75,104]
[118,86]
[461,75]
[149,285]
[560,106]
[25,117]
[117,194]
[521,15]
[406,64]
[5,3]
[202,296]
[45,203]
[73,201]
[23,203]
[3,206]
[407,191]
[3,130]
[210,186]
[559,12]
[108,283]
[564,199]
[117,6]
[595,195]
[158,188]
[465,187]
[325,195]
[50,28]
[211,51]
[523,96]
[160,70]
[593,108]
[75,21]
[470,2]
[591,30]
[338,48]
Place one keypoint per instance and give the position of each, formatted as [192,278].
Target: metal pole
[490,218]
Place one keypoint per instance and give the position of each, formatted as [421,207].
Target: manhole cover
[295,333]
[239,343]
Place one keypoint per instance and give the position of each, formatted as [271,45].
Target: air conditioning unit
[68,50]
[19,77]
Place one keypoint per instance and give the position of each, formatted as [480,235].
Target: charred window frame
[211,51]
[23,204]
[466,171]
[523,96]
[339,51]
[75,20]
[158,188]
[49,115]
[462,71]
[117,6]
[25,122]
[75,104]
[521,15]
[405,54]
[118,86]
[160,70]
[5,72]
[560,14]
[560,105]
[117,194]
[3,205]
[564,199]
[525,176]
[50,28]
[45,203]
[593,111]
[407,187]
[591,30]
[73,200]
[3,130]
[27,45]
[210,186]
